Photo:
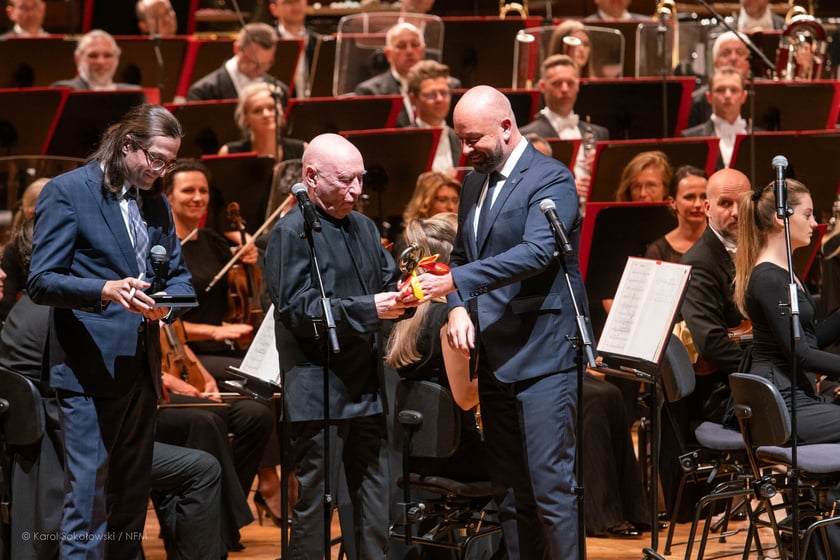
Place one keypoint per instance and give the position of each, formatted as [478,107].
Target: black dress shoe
[624,531]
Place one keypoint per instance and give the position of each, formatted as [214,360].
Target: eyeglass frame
[166,166]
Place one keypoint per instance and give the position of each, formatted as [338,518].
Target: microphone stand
[328,322]
[661,55]
[793,308]
[583,348]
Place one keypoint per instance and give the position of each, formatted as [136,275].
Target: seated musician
[97,57]
[726,95]
[559,85]
[727,50]
[709,311]
[217,341]
[645,178]
[614,10]
[688,202]
[257,117]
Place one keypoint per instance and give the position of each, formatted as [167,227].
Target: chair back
[360,39]
[439,432]
[676,371]
[21,412]
[760,407]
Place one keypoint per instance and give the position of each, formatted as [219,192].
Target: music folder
[207,125]
[642,317]
[258,376]
[25,132]
[307,118]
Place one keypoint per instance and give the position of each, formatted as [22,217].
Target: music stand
[323,64]
[806,153]
[139,64]
[307,118]
[478,49]
[207,125]
[524,103]
[83,118]
[25,132]
[17,172]
[628,30]
[812,105]
[35,61]
[243,178]
[565,151]
[804,257]
[632,108]
[612,155]
[393,160]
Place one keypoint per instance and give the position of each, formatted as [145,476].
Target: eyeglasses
[156,163]
[433,95]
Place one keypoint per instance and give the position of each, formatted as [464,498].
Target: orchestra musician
[687,191]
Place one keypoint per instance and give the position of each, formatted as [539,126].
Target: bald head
[485,123]
[333,170]
[723,190]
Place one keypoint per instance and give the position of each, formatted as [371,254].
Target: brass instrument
[802,47]
[666,12]
[519,8]
[587,144]
[795,9]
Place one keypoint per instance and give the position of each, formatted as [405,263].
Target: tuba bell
[802,47]
[516,7]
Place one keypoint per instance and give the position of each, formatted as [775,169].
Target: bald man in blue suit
[511,311]
[103,351]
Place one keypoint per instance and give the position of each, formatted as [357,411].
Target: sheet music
[644,308]
[262,360]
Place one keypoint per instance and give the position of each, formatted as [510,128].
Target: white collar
[746,23]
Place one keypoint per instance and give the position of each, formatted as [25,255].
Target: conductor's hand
[435,286]
[128,293]
[389,305]
[460,332]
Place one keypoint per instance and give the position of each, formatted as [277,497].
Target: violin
[244,283]
[173,339]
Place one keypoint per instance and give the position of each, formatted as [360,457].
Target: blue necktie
[138,230]
[484,216]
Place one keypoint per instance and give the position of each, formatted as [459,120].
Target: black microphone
[310,216]
[549,209]
[780,164]
[157,255]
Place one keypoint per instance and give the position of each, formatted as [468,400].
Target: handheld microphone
[310,216]
[780,164]
[549,209]
[157,255]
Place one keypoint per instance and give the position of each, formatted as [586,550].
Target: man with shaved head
[511,312]
[359,278]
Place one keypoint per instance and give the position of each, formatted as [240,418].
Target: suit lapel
[507,190]
[110,208]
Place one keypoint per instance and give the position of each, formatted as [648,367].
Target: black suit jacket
[542,126]
[708,309]
[218,85]
[78,83]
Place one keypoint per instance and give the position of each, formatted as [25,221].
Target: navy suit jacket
[80,242]
[510,280]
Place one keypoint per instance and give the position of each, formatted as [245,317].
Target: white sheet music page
[643,311]
[262,360]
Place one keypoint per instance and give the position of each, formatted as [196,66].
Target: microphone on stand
[780,164]
[549,209]
[310,216]
[157,255]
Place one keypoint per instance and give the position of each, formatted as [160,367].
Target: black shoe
[264,511]
[624,531]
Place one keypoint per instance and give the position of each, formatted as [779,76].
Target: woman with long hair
[645,178]
[762,281]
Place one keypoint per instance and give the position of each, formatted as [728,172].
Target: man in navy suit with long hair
[91,263]
[511,311]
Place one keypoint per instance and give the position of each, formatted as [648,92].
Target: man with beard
[511,312]
[97,57]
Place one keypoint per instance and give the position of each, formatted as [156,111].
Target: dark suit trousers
[359,444]
[186,491]
[529,428]
[108,462]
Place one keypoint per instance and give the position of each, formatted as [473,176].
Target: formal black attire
[387,84]
[354,267]
[184,482]
[78,83]
[661,250]
[292,147]
[817,417]
[15,281]
[219,85]
[542,126]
